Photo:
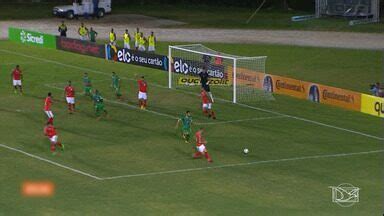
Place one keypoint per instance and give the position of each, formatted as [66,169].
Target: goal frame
[234,59]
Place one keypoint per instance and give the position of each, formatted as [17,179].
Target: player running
[116,82]
[51,133]
[87,85]
[142,95]
[17,76]
[99,105]
[69,93]
[47,108]
[207,104]
[186,121]
[200,146]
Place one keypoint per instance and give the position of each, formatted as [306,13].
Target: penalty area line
[50,162]
[243,164]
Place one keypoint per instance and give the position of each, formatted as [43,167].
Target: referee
[205,82]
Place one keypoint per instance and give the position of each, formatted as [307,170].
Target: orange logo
[37,189]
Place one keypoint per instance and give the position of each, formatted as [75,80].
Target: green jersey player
[186,129]
[116,85]
[99,104]
[87,85]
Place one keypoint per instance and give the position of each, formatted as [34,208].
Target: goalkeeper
[186,121]
[205,82]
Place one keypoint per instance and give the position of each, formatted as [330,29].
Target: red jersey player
[142,96]
[207,104]
[51,133]
[17,75]
[200,146]
[69,92]
[47,107]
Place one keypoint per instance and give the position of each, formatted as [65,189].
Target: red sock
[145,103]
[197,155]
[50,120]
[207,156]
[53,147]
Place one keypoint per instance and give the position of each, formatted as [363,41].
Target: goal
[368,10]
[231,77]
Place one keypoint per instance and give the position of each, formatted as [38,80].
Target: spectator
[112,37]
[83,32]
[151,42]
[377,90]
[127,39]
[63,29]
[137,38]
[92,35]
[142,41]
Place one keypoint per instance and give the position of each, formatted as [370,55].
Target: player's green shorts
[186,130]
[99,109]
[88,89]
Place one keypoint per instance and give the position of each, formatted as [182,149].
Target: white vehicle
[85,7]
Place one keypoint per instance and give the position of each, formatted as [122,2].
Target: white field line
[239,120]
[51,162]
[243,164]
[244,105]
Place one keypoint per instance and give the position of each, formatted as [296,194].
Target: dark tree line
[303,5]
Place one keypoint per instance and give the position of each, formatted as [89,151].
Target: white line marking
[51,162]
[244,105]
[239,120]
[243,164]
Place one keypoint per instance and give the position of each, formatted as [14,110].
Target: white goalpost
[236,78]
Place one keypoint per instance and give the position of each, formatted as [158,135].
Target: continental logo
[293,87]
[339,97]
[246,77]
[196,81]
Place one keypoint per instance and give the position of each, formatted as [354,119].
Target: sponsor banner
[193,68]
[189,80]
[372,105]
[79,46]
[287,86]
[246,77]
[335,96]
[32,38]
[140,58]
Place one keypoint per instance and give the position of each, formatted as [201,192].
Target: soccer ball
[245,151]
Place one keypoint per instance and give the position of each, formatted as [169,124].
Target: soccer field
[136,163]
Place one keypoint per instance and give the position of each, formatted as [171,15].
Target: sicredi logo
[124,56]
[379,108]
[29,38]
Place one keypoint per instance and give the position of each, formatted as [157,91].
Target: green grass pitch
[135,162]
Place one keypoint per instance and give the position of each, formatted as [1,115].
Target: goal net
[353,9]
[231,77]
